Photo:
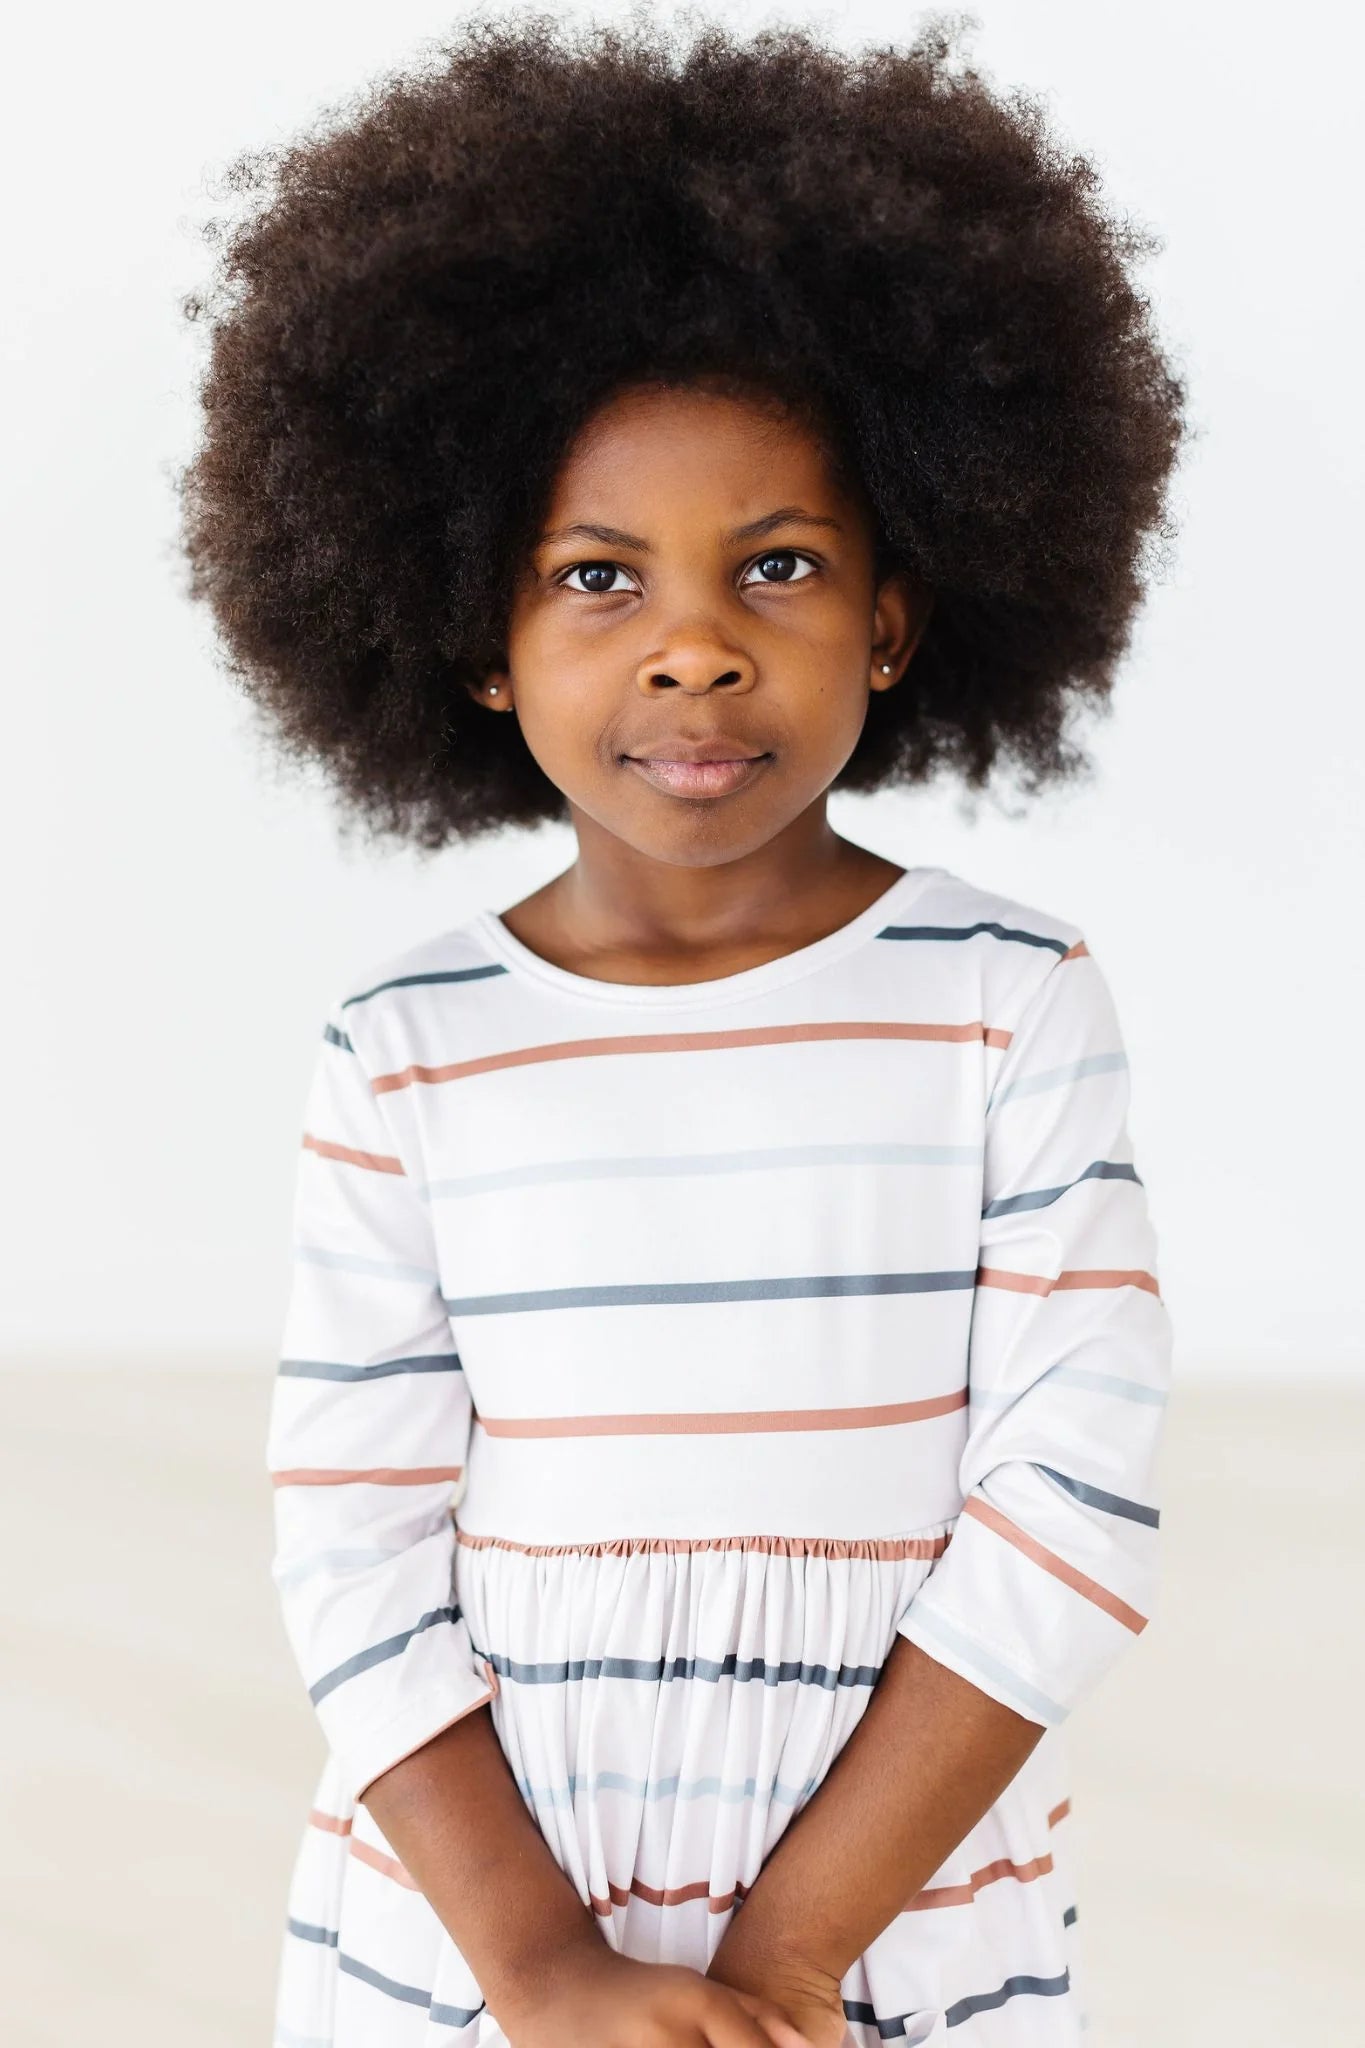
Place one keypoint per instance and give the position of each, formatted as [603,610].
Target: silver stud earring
[492,689]
[886,668]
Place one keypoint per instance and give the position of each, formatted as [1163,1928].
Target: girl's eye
[591,571]
[781,561]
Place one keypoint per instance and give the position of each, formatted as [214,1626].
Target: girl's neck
[675,925]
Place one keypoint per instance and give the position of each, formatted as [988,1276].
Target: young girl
[714,1446]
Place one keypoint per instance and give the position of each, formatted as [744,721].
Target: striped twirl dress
[654,1355]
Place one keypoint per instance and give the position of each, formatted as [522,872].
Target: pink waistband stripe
[884,1549]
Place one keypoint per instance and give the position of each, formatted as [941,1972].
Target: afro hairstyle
[433,289]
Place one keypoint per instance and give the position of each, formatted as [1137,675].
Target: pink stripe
[982,1511]
[377,1162]
[725,1422]
[1083,1277]
[691,1041]
[378,1475]
[964,1894]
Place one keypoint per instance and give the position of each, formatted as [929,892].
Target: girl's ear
[904,603]
[494,692]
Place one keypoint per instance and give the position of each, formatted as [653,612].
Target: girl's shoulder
[1004,945]
[389,1003]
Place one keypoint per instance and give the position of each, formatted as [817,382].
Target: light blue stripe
[1060,1077]
[1043,1198]
[647,1790]
[657,1293]
[1107,1383]
[666,1165]
[327,1561]
[375,1269]
[1078,1376]
[937,1629]
[378,1653]
[1096,1497]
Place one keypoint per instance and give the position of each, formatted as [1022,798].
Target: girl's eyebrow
[613,536]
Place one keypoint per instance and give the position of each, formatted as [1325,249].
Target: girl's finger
[774,2022]
[736,2024]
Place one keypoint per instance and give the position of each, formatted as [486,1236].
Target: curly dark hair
[434,291]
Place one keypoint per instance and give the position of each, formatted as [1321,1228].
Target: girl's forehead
[719,445]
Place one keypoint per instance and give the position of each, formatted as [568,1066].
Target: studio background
[179,913]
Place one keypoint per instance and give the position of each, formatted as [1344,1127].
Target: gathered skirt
[666,1708]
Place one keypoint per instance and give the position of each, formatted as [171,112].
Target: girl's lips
[699,778]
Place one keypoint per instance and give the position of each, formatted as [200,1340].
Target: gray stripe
[544,1173]
[335,1037]
[1069,1917]
[1013,1987]
[970,931]
[300,1929]
[378,1653]
[321,1369]
[856,2011]
[1096,1497]
[425,981]
[1042,1198]
[652,1293]
[663,1670]
[442,2015]
[892,2027]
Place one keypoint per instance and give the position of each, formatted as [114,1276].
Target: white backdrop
[178,914]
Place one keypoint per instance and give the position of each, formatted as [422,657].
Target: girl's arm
[368,1433]
[930,1755]
[455,1816]
[369,1428]
[1051,1570]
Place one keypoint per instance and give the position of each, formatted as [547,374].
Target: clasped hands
[752,1995]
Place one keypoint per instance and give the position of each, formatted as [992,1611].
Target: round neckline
[721,988]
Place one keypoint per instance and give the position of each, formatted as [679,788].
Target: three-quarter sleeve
[368,1432]
[1051,1570]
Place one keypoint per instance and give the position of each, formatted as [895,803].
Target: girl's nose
[696,668]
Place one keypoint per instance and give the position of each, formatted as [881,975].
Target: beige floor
[162,1754]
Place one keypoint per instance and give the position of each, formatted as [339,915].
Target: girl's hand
[596,1997]
[809,2001]
[790,2020]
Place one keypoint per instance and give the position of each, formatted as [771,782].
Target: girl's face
[701,583]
